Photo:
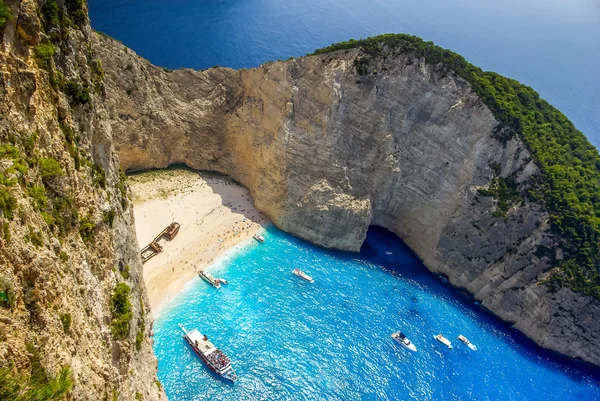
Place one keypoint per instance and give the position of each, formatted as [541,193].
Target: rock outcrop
[326,152]
[67,236]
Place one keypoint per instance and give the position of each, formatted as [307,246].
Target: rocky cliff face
[327,152]
[67,225]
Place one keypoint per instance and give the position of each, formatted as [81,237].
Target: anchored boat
[210,279]
[213,357]
[259,238]
[402,340]
[303,275]
[467,342]
[443,340]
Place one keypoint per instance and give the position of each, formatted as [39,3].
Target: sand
[215,213]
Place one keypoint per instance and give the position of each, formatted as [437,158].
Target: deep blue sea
[292,340]
[551,45]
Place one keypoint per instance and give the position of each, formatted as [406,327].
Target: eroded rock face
[326,153]
[61,281]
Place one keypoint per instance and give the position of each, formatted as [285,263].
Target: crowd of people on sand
[242,228]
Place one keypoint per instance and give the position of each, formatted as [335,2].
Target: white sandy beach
[215,214]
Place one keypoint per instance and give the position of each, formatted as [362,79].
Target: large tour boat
[402,340]
[467,342]
[303,275]
[215,282]
[443,340]
[213,357]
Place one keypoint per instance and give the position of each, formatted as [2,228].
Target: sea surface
[292,340]
[551,45]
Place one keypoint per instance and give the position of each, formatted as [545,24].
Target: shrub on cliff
[569,186]
[121,311]
[7,294]
[4,13]
[76,11]
[86,229]
[8,203]
[43,54]
[49,169]
[79,93]
[15,387]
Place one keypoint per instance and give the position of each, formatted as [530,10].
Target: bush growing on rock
[86,229]
[121,311]
[65,319]
[49,169]
[7,294]
[43,54]
[4,13]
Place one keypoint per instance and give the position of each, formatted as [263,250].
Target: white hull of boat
[467,342]
[443,340]
[303,275]
[410,346]
[210,279]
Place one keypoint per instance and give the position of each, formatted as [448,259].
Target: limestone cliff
[67,232]
[326,152]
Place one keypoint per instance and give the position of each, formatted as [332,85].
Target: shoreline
[216,215]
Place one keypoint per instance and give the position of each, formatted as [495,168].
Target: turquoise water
[551,45]
[291,340]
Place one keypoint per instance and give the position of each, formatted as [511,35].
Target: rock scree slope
[327,150]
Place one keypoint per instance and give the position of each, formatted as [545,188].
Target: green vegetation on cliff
[569,186]
[121,311]
[4,13]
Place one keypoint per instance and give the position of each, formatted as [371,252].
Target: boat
[467,342]
[222,281]
[154,248]
[213,357]
[402,340]
[303,275]
[210,279]
[443,340]
[259,238]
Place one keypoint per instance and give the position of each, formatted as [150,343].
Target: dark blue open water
[551,45]
[330,341]
[291,340]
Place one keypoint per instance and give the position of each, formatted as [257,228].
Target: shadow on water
[386,249]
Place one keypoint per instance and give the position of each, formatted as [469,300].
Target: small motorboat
[215,282]
[303,275]
[443,340]
[402,340]
[259,238]
[467,342]
[222,281]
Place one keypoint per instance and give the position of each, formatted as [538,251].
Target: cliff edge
[74,316]
[333,143]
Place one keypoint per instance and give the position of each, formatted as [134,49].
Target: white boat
[467,342]
[443,340]
[402,340]
[213,357]
[303,275]
[222,281]
[210,279]
[259,238]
